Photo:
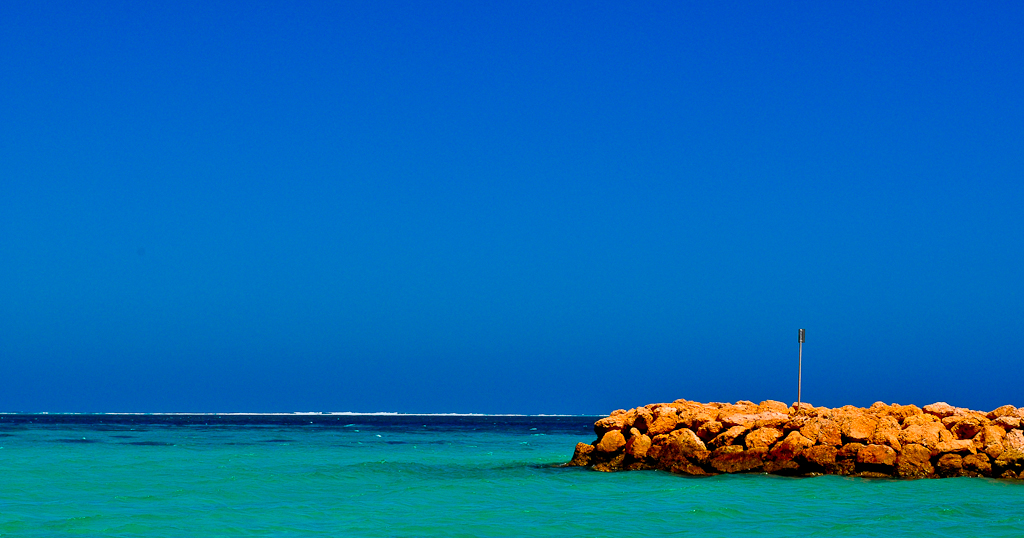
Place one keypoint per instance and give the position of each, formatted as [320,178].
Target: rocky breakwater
[905,441]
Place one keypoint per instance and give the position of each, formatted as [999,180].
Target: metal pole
[800,371]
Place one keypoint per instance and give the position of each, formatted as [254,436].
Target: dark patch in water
[124,436]
[396,442]
[278,441]
[149,443]
[6,435]
[72,441]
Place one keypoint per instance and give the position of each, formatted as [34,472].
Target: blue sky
[508,207]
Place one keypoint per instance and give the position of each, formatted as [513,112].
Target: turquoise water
[399,478]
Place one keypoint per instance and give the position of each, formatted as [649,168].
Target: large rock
[658,443]
[763,437]
[1014,440]
[916,420]
[772,406]
[940,409]
[876,455]
[709,430]
[823,431]
[902,412]
[638,444]
[964,427]
[607,424]
[728,437]
[817,459]
[771,419]
[781,458]
[1009,464]
[846,458]
[796,422]
[880,409]
[665,420]
[803,409]
[914,462]
[683,447]
[643,419]
[922,434]
[1004,411]
[993,450]
[962,446]
[733,459]
[1008,423]
[977,465]
[688,468]
[859,429]
[887,433]
[688,442]
[629,417]
[950,465]
[614,464]
[993,434]
[694,417]
[611,441]
[581,457]
[768,419]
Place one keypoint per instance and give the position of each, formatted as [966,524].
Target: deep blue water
[365,475]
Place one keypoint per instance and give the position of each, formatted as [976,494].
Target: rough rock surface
[611,441]
[884,440]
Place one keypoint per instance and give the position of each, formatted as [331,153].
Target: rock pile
[906,441]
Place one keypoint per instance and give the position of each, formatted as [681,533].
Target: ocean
[427,475]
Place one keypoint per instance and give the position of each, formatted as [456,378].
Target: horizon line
[297,413]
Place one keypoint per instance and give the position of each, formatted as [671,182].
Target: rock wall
[905,441]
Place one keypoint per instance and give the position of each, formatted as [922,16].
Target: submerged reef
[892,441]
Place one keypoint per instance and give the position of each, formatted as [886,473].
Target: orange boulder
[957,446]
[611,441]
[638,444]
[763,437]
[709,430]
[581,457]
[922,434]
[877,455]
[728,437]
[914,462]
[665,420]
[781,458]
[606,424]
[950,465]
[977,465]
[1004,411]
[1014,440]
[859,428]
[733,459]
[940,409]
[818,459]
[915,420]
[1008,423]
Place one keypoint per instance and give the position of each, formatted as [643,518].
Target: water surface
[348,475]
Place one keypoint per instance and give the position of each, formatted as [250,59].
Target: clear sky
[525,207]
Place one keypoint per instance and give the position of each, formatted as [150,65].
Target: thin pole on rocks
[800,371]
